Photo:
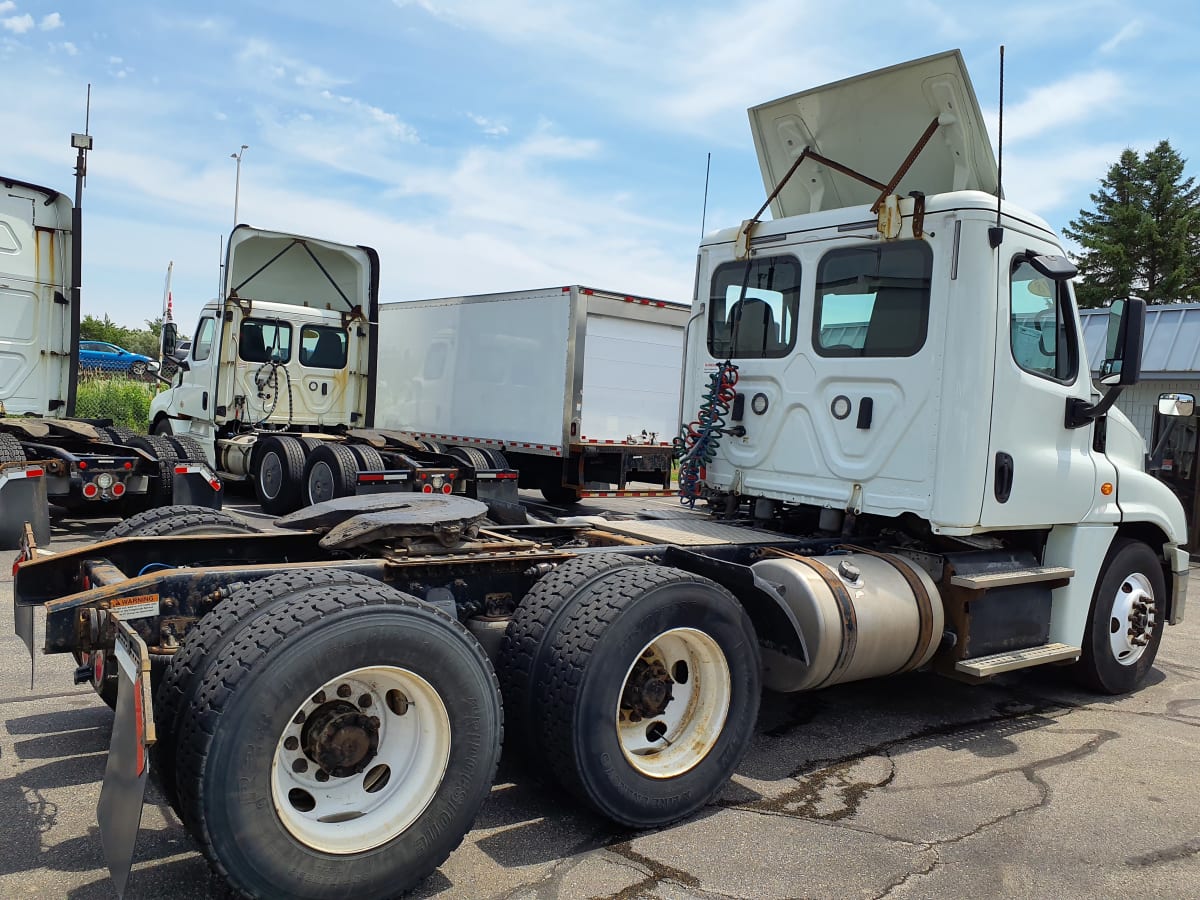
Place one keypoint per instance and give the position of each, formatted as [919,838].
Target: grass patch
[124,400]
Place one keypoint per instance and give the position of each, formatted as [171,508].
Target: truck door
[840,395]
[194,398]
[1039,471]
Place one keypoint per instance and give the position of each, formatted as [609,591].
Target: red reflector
[83,464]
[181,470]
[427,489]
[90,490]
[34,473]
[118,489]
[129,465]
[139,723]
[372,476]
[215,485]
[447,488]
[509,475]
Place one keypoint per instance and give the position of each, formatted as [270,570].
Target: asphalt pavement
[909,787]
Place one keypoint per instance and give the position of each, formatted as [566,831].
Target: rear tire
[1130,596]
[278,474]
[651,694]
[331,472]
[525,649]
[556,493]
[169,520]
[11,450]
[421,714]
[369,459]
[472,457]
[496,458]
[162,485]
[188,448]
[162,428]
[202,644]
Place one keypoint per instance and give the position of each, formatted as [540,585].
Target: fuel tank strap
[845,606]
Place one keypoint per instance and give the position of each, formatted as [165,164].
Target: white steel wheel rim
[1132,611]
[320,482]
[354,813]
[676,738]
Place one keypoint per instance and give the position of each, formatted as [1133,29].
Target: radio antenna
[704,210]
[996,233]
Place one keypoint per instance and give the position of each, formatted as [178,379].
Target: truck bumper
[1178,559]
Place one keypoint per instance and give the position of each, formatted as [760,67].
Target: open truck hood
[870,123]
[270,266]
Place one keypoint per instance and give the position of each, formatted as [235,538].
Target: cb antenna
[996,233]
[704,210]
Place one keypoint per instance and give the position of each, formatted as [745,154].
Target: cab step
[988,580]
[984,666]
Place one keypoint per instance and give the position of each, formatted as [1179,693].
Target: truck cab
[900,349]
[289,347]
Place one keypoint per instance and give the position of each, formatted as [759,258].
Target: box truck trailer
[578,388]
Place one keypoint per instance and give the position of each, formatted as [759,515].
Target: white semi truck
[898,462]
[46,453]
[278,386]
[577,387]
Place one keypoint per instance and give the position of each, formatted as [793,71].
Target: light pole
[237,182]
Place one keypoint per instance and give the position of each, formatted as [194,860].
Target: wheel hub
[647,690]
[340,739]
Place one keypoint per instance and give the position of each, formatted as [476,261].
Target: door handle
[204,400]
[1004,477]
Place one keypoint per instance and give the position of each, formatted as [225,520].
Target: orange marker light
[1106,489]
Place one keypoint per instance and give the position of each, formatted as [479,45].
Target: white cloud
[69,48]
[375,116]
[51,22]
[115,60]
[18,24]
[1129,31]
[7,6]
[488,126]
[1066,103]
[268,60]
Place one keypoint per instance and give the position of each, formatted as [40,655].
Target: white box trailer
[578,388]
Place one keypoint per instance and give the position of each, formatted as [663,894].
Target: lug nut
[319,697]
[291,743]
[300,765]
[322,775]
[364,701]
[343,691]
[299,720]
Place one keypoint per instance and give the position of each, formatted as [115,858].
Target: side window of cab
[202,345]
[1042,324]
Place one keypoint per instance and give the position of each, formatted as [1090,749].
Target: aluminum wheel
[674,703]
[361,759]
[1131,622]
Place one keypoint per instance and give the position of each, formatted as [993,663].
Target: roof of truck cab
[973,201]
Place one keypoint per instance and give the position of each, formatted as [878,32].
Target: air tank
[863,614]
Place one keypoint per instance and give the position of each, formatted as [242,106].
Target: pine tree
[1143,237]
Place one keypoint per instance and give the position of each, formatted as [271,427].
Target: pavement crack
[1166,855]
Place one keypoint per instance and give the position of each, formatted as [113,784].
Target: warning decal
[138,607]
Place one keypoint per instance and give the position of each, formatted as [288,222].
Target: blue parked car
[108,357]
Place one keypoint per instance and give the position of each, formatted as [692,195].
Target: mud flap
[195,484]
[119,813]
[23,498]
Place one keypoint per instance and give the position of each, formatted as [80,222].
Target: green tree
[1143,237]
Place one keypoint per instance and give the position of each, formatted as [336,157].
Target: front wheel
[650,698]
[137,368]
[1127,619]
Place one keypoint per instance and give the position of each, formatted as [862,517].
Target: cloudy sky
[486,145]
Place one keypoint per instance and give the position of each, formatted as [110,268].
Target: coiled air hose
[698,441]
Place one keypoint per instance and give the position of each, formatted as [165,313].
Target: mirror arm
[1080,412]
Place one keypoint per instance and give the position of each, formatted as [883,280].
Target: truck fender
[774,622]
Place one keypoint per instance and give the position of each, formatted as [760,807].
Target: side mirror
[170,338]
[1056,268]
[1123,349]
[1180,405]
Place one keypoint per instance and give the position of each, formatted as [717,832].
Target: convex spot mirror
[1123,348]
[170,338]
[1182,405]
